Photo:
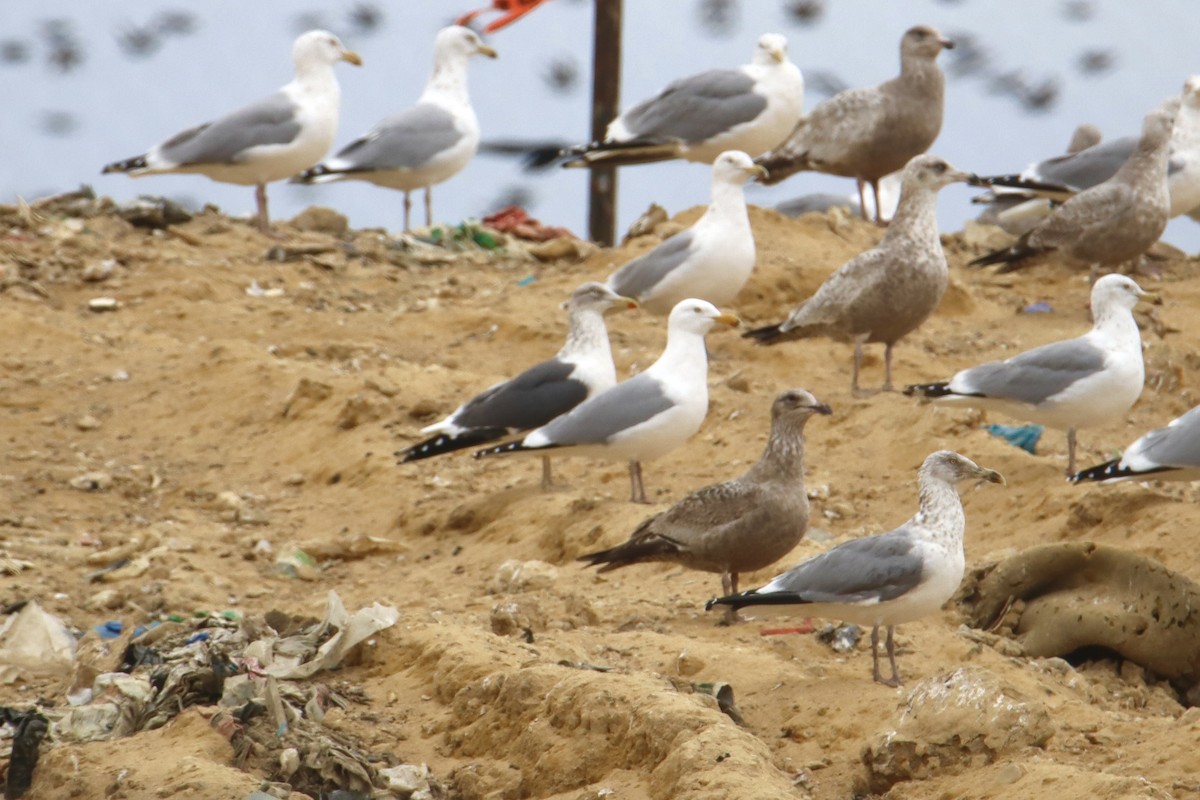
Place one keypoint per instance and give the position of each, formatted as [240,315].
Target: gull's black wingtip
[1109,470]
[767,334]
[927,390]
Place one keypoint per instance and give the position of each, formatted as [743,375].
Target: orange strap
[513,11]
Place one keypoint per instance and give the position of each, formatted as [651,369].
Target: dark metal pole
[606,99]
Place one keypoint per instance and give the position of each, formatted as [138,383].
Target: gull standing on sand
[422,145]
[889,579]
[751,108]
[1077,383]
[1111,223]
[648,415]
[580,370]
[266,141]
[1164,454]
[712,260]
[869,132]
[1058,179]
[740,525]
[885,293]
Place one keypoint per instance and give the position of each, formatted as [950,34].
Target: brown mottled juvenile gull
[422,145]
[711,260]
[265,141]
[885,293]
[867,133]
[581,369]
[648,415]
[740,525]
[1171,453]
[750,108]
[1084,382]
[1113,222]
[888,579]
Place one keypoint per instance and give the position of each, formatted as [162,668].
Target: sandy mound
[240,399]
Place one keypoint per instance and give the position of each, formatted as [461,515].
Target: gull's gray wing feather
[643,273]
[407,140]
[225,141]
[1176,445]
[697,108]
[602,417]
[1085,169]
[1034,376]
[874,568]
[533,398]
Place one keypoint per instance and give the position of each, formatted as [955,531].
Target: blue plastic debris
[111,629]
[1022,436]
[1037,308]
[202,636]
[527,280]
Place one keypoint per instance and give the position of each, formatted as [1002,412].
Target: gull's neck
[783,459]
[1187,126]
[684,359]
[940,511]
[921,73]
[1148,164]
[448,82]
[315,76]
[1115,323]
[728,202]
[916,217]
[586,334]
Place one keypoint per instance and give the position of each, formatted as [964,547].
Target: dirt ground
[235,406]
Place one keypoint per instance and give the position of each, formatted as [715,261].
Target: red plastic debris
[516,221]
[513,10]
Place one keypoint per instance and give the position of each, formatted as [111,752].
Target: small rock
[520,576]
[359,409]
[92,482]
[99,305]
[231,500]
[520,620]
[318,219]
[87,423]
[687,664]
[289,762]
[99,270]
[1010,774]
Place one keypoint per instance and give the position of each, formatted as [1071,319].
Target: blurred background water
[88,83]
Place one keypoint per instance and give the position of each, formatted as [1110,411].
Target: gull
[1058,179]
[1113,222]
[1166,454]
[264,141]
[697,118]
[422,145]
[888,579]
[648,415]
[1077,383]
[867,133]
[1018,210]
[711,260]
[740,525]
[581,369]
[885,293]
